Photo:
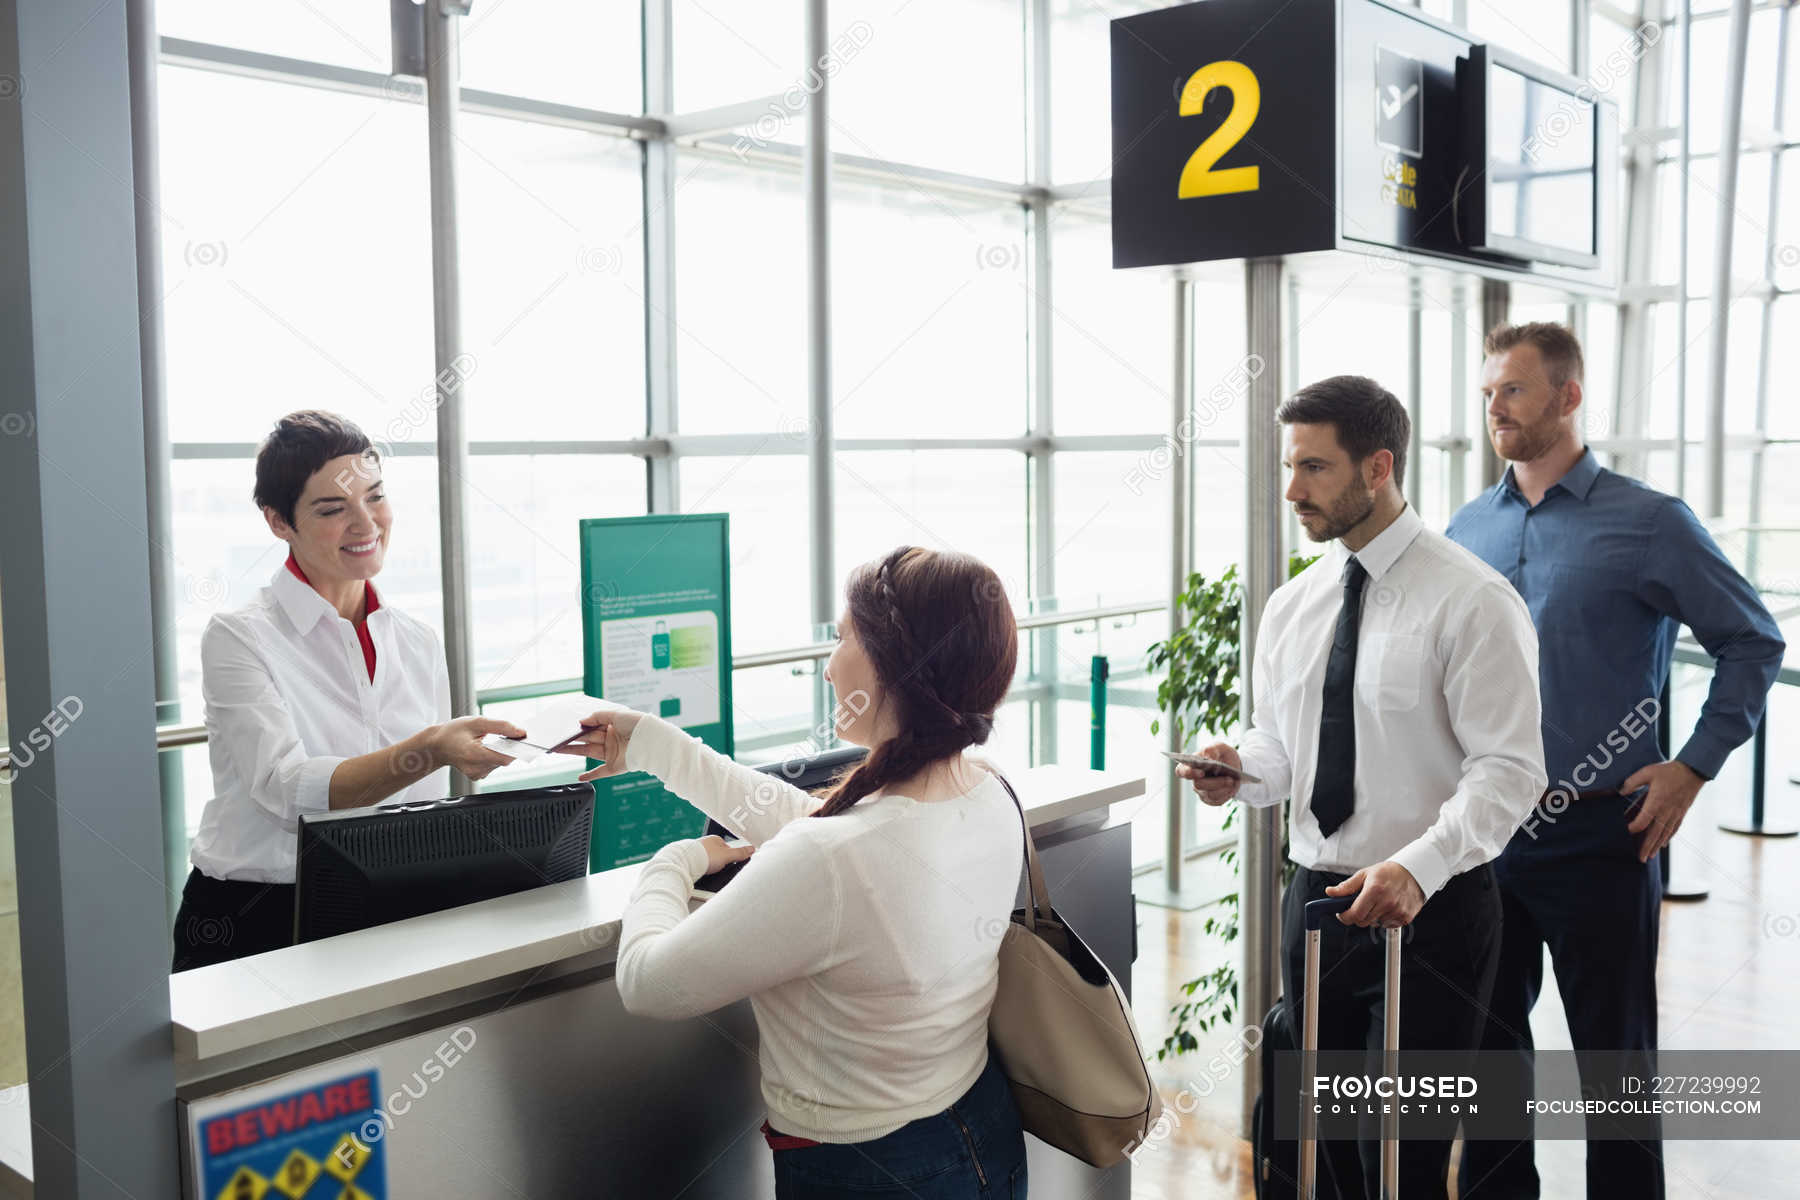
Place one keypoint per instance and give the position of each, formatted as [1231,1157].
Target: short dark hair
[1366,415]
[298,446]
[1556,344]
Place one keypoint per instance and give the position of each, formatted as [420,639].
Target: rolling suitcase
[1286,1169]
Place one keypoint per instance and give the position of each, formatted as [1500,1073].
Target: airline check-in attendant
[1610,570]
[1396,701]
[319,694]
[865,930]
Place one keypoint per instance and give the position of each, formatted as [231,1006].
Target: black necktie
[1334,779]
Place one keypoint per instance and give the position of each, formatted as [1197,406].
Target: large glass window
[971,501]
[741,329]
[884,106]
[930,305]
[553,282]
[568,51]
[296,239]
[344,35]
[771,558]
[296,255]
[525,557]
[1112,335]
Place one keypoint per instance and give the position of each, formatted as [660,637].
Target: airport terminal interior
[845,272]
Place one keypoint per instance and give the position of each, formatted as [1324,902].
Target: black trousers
[1447,969]
[223,919]
[1578,889]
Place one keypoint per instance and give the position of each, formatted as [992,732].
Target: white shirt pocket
[1389,667]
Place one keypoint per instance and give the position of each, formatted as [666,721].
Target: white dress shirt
[288,697]
[1449,750]
[867,943]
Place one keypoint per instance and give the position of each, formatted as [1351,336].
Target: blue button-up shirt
[1611,569]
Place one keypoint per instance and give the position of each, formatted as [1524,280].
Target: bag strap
[1039,894]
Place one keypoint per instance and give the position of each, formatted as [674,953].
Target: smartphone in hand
[1210,766]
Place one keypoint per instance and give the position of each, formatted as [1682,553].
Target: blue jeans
[973,1150]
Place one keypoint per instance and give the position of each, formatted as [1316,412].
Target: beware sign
[308,1141]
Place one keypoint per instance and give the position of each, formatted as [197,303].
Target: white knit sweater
[867,943]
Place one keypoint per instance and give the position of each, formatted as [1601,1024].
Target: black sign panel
[1224,125]
[1402,152]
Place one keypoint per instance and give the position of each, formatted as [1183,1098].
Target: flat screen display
[1540,168]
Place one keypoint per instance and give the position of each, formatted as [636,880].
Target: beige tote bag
[1064,1034]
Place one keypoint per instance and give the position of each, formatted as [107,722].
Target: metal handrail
[174,737]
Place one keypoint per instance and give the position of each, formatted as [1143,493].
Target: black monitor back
[809,773]
[369,866]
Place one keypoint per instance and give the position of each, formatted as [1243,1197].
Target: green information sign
[656,636]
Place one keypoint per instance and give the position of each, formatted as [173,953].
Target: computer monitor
[809,773]
[360,867]
[1539,148]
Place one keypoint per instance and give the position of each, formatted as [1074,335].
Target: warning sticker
[313,1141]
[245,1184]
[297,1174]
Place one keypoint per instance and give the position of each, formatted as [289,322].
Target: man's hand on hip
[1386,895]
[1673,786]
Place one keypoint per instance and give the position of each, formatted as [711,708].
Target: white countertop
[251,1001]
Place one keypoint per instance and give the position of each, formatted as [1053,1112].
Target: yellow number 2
[1198,177]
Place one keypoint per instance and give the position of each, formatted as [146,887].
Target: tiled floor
[1726,981]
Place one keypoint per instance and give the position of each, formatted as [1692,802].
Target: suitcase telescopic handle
[1317,913]
[1318,910]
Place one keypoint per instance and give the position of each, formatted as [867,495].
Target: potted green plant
[1198,667]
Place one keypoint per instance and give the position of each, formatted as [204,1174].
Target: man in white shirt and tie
[1396,702]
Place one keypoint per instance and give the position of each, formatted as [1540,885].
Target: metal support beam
[1737,50]
[1684,289]
[1415,386]
[165,660]
[1633,361]
[1259,980]
[1496,306]
[1046,655]
[441,75]
[1766,342]
[1460,390]
[816,184]
[1180,389]
[88,832]
[662,473]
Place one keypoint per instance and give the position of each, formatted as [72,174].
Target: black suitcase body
[1276,1163]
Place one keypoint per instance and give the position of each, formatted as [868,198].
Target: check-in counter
[508,1066]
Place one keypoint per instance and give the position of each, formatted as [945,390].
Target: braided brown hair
[939,632]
